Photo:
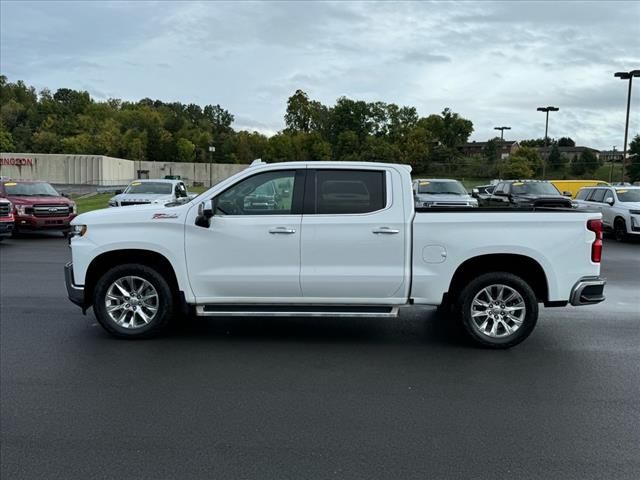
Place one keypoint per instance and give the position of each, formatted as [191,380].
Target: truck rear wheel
[133,301]
[498,310]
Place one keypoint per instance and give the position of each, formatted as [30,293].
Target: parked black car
[528,193]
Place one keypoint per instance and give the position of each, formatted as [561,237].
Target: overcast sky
[494,63]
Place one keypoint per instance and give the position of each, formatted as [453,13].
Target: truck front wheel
[133,301]
[498,310]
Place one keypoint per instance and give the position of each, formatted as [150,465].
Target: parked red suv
[6,218]
[38,206]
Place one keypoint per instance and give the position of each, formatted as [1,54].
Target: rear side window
[582,194]
[598,195]
[345,192]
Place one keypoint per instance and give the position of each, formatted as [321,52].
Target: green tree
[555,160]
[517,167]
[6,140]
[634,167]
[566,142]
[185,149]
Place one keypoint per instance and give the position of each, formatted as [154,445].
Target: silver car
[441,192]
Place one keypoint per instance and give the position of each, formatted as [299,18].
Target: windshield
[154,188]
[534,188]
[438,187]
[35,189]
[628,195]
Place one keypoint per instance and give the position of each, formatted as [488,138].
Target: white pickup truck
[332,239]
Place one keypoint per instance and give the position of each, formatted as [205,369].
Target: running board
[215,310]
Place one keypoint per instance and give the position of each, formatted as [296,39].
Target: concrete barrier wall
[103,170]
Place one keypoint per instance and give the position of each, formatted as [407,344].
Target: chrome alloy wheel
[131,302]
[498,311]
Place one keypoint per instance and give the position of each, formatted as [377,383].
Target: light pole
[613,157]
[626,76]
[546,137]
[212,149]
[502,129]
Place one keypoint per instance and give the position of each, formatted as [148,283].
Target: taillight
[595,226]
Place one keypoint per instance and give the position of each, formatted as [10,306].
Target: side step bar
[216,310]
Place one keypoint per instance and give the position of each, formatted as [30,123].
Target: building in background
[101,170]
[569,154]
[506,148]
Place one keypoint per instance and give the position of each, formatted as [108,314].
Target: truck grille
[5,210]
[52,210]
[126,204]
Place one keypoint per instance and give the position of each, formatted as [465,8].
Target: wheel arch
[523,266]
[149,258]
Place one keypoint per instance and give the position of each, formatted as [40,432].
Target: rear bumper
[74,292]
[588,291]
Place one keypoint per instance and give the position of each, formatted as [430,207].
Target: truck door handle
[285,230]
[386,230]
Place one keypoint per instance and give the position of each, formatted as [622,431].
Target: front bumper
[74,292]
[30,222]
[588,291]
[6,228]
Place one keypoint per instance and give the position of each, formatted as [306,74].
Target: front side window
[348,191]
[598,195]
[181,190]
[269,193]
[582,194]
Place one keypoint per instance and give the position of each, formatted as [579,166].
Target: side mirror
[205,213]
[65,195]
[118,192]
[609,201]
[475,192]
[567,194]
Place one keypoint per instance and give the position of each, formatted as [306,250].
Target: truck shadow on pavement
[423,326]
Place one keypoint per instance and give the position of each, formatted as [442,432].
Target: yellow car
[573,186]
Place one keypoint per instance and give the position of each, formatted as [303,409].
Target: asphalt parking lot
[311,398]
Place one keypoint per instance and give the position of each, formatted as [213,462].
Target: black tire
[165,301]
[464,310]
[620,230]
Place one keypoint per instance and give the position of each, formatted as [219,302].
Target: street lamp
[546,138]
[626,76]
[212,150]
[502,129]
[613,158]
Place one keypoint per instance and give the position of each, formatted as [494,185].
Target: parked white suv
[140,192]
[620,207]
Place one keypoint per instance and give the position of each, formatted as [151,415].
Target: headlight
[21,209]
[78,230]
[74,208]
